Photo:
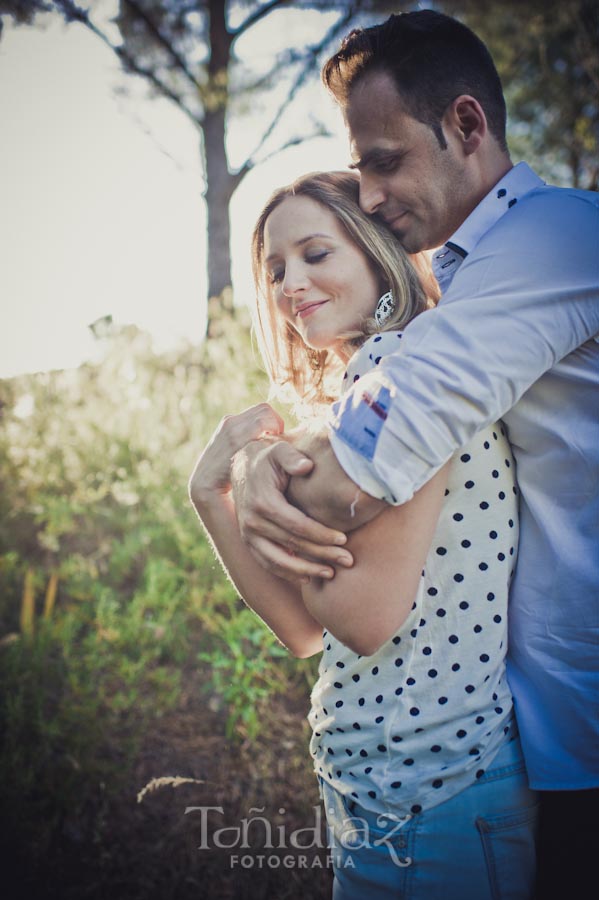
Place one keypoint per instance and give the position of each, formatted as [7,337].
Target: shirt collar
[520,180]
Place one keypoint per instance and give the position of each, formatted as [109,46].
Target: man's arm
[522,301]
[525,298]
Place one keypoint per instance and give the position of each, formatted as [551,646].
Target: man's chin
[408,241]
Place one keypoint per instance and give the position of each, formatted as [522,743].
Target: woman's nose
[295,280]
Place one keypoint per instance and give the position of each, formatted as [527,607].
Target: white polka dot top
[412,725]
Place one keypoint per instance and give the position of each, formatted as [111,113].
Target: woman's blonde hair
[290,363]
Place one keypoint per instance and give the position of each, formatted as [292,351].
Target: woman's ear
[465,118]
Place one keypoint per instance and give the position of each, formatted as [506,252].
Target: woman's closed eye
[312,258]
[316,256]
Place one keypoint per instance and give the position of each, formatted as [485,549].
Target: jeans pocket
[346,829]
[509,846]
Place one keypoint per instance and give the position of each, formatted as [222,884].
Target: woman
[414,740]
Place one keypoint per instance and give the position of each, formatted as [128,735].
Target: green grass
[94,489]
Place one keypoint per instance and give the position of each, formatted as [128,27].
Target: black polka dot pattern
[411,726]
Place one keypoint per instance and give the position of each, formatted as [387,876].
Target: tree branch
[23,11]
[292,142]
[159,37]
[74,13]
[257,15]
[310,59]
[288,57]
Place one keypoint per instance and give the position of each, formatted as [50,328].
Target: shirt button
[401,843]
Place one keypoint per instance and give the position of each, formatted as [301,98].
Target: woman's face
[321,281]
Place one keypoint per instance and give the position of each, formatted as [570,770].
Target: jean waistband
[508,760]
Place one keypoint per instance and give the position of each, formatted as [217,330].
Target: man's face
[423,192]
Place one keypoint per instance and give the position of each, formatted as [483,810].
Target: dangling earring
[384,309]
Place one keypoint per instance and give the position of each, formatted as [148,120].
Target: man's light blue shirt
[514,337]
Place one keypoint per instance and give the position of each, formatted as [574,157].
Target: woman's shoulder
[370,354]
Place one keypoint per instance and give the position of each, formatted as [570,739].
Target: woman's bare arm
[325,493]
[364,606]
[277,602]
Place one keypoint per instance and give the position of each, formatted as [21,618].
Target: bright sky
[101,209]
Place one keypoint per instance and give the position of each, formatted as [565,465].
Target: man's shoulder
[554,196]
[547,214]
[548,232]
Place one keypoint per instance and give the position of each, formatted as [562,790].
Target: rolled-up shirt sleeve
[526,297]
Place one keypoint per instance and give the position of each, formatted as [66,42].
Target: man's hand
[291,543]
[283,539]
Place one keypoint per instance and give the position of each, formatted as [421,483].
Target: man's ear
[465,118]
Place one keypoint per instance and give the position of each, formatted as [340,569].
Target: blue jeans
[479,845]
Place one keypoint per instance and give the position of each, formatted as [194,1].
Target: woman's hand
[212,472]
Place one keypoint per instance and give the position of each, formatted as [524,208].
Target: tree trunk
[220,183]
[219,187]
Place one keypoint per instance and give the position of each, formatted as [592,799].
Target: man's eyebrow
[301,242]
[374,155]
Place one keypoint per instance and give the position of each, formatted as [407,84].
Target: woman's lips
[308,308]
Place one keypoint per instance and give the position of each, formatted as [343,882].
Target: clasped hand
[212,472]
[250,457]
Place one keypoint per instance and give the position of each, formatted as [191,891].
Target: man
[514,336]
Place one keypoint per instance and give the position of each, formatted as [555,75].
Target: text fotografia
[257,832]
[274,861]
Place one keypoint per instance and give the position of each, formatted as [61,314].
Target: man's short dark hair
[432,59]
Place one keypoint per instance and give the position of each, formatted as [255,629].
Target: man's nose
[371,194]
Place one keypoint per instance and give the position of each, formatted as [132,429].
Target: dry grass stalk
[27,619]
[50,599]
[165,781]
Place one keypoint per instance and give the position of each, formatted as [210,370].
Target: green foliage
[94,463]
[245,665]
[52,725]
[94,466]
